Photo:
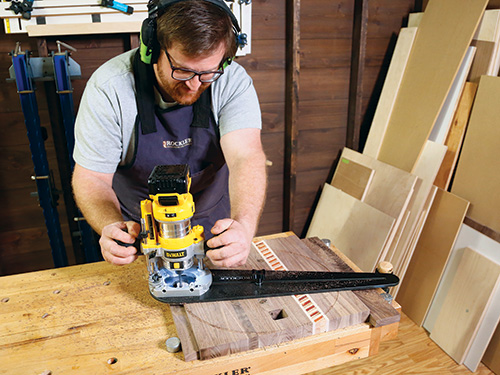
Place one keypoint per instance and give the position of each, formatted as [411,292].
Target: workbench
[100,319]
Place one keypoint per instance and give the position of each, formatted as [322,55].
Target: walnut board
[444,35]
[209,330]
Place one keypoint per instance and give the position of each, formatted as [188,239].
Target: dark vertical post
[291,110]
[61,155]
[358,54]
[133,41]
[419,6]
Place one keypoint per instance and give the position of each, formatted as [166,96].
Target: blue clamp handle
[118,6]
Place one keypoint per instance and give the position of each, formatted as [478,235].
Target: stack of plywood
[430,162]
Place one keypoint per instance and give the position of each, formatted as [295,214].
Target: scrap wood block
[209,330]
[352,178]
[439,48]
[390,188]
[477,178]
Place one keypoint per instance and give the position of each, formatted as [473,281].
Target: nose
[194,83]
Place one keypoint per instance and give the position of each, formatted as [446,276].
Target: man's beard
[178,92]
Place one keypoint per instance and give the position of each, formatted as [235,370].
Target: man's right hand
[125,232]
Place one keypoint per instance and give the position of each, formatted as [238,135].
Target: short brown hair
[198,26]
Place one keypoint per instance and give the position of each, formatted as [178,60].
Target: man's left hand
[231,244]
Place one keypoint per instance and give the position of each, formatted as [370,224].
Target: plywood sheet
[414,19]
[355,228]
[426,169]
[483,61]
[209,330]
[468,237]
[489,28]
[438,51]
[456,136]
[390,189]
[389,91]
[477,178]
[431,255]
[470,294]
[352,178]
[485,330]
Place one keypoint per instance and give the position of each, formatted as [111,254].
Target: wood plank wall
[326,29]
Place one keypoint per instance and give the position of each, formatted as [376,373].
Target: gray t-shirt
[104,128]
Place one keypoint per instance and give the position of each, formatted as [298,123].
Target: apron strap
[145,98]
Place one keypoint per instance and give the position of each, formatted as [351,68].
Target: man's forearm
[247,191]
[96,199]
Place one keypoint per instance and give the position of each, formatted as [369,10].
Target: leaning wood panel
[352,178]
[390,91]
[443,122]
[431,254]
[437,53]
[463,309]
[355,228]
[477,178]
[426,169]
[456,136]
[390,191]
[483,61]
[390,187]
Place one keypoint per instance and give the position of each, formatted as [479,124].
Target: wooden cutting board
[214,329]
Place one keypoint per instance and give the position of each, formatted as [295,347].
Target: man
[116,149]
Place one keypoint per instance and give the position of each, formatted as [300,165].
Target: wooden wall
[326,29]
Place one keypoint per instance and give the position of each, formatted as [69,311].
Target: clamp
[117,6]
[24,7]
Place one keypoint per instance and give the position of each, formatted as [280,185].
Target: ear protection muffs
[150,48]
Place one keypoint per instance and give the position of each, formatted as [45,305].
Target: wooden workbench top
[98,319]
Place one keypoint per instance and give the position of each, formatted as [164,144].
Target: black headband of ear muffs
[149,44]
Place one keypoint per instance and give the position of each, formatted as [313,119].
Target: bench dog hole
[278,314]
